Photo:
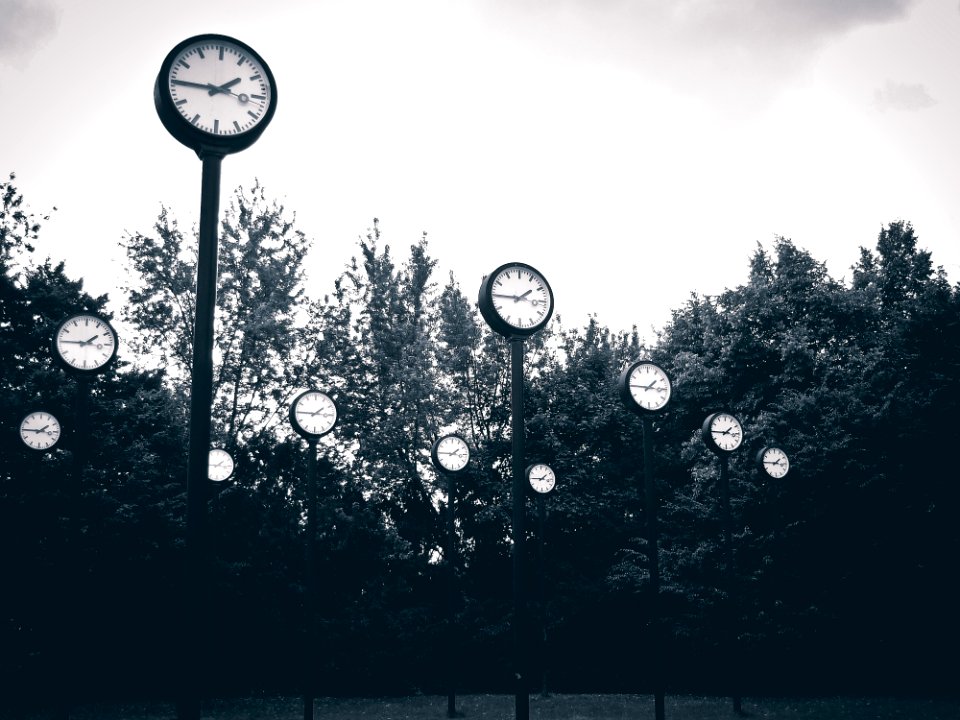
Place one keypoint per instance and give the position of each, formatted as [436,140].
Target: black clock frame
[492,317]
[537,493]
[758,459]
[623,387]
[204,143]
[708,436]
[299,429]
[435,459]
[83,372]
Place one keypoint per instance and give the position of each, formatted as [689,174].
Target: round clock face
[516,300]
[541,478]
[85,343]
[773,461]
[40,430]
[214,90]
[313,414]
[451,453]
[219,465]
[645,386]
[722,432]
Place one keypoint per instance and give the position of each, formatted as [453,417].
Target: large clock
[773,461]
[39,430]
[450,453]
[313,414]
[722,432]
[84,343]
[515,300]
[645,387]
[215,94]
[541,478]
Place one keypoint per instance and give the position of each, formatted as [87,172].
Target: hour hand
[214,89]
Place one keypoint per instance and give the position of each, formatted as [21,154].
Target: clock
[219,465]
[84,343]
[40,430]
[722,432]
[215,94]
[645,387]
[773,461]
[313,414]
[515,300]
[542,479]
[450,453]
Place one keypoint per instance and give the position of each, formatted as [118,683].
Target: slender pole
[726,518]
[451,595]
[542,590]
[201,399]
[311,576]
[519,532]
[651,501]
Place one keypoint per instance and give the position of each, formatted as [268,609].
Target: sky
[633,152]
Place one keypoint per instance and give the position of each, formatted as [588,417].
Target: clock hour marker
[181,102]
[241,60]
[195,118]
[256,77]
[221,52]
[259,97]
[252,114]
[185,64]
[236,125]
[200,53]
[216,126]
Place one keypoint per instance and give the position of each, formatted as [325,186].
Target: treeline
[843,571]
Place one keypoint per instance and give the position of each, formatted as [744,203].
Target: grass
[555,707]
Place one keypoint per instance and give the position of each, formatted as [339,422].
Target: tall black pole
[727,521]
[451,595]
[651,501]
[519,531]
[542,590]
[310,666]
[201,399]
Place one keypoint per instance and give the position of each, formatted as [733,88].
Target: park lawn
[554,707]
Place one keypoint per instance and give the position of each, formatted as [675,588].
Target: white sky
[634,152]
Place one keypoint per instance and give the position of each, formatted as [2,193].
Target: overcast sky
[633,152]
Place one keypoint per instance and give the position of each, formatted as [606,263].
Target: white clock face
[726,432]
[85,342]
[775,462]
[541,478]
[452,453]
[40,430]
[649,386]
[219,465]
[521,297]
[219,87]
[315,412]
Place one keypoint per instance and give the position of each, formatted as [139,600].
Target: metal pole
[451,595]
[726,518]
[541,591]
[311,604]
[201,398]
[653,550]
[519,531]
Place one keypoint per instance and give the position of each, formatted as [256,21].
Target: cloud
[738,51]
[902,96]
[25,26]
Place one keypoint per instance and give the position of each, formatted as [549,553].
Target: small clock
[313,414]
[84,343]
[515,300]
[722,432]
[39,430]
[450,453]
[219,465]
[542,479]
[773,461]
[215,94]
[645,387]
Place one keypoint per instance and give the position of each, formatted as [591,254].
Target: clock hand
[512,297]
[521,297]
[214,89]
[205,86]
